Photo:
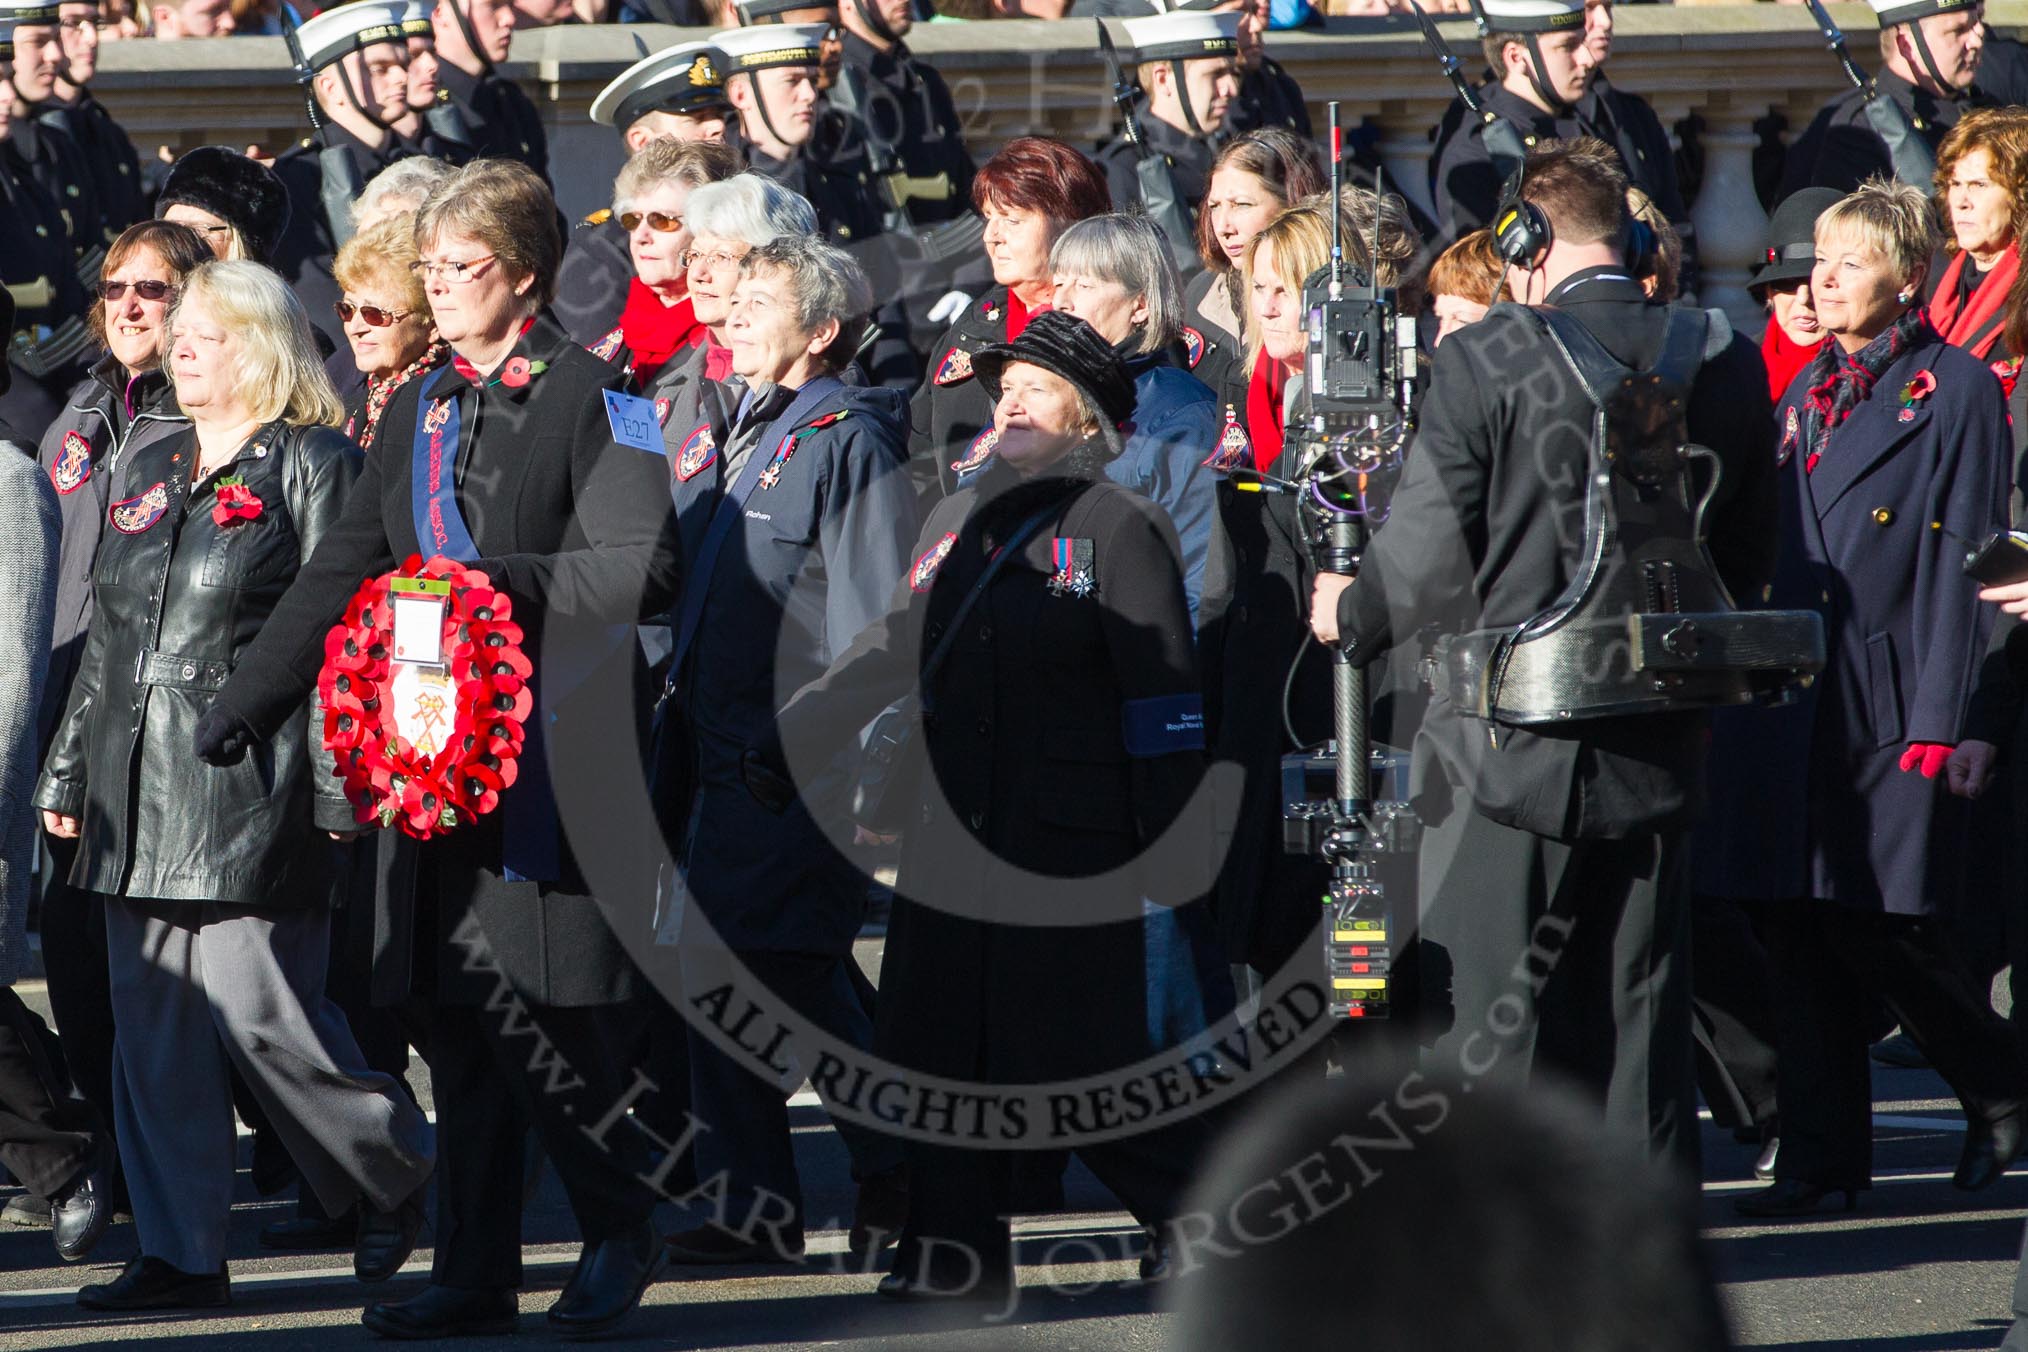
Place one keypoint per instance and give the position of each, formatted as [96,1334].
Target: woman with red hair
[1029,193]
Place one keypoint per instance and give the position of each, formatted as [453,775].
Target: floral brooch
[1914,392]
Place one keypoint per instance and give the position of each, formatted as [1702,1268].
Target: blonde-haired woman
[216,882]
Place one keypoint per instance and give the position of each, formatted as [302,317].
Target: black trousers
[80,990]
[46,1133]
[1732,998]
[497,1074]
[1833,965]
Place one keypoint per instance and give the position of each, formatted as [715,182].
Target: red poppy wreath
[460,757]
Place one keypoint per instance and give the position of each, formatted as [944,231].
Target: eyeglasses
[459,272]
[717,258]
[630,221]
[210,229]
[147,290]
[372,314]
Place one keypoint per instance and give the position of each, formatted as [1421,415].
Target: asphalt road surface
[1918,1267]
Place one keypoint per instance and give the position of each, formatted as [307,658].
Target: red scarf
[717,358]
[1784,357]
[1976,326]
[1018,314]
[471,372]
[1264,410]
[656,332]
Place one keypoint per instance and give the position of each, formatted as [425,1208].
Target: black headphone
[1521,233]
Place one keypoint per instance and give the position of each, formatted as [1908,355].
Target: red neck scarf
[656,332]
[471,372]
[717,358]
[1973,325]
[1018,314]
[1264,410]
[1784,357]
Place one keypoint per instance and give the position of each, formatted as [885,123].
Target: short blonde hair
[505,207]
[277,371]
[1301,240]
[695,163]
[1892,218]
[377,259]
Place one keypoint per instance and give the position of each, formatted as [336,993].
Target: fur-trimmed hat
[244,192]
[1068,347]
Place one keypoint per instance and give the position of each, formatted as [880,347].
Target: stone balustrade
[1728,65]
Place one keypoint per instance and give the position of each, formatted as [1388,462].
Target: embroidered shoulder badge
[978,453]
[697,453]
[74,465]
[1233,447]
[662,407]
[1787,450]
[136,514]
[925,570]
[956,366]
[1193,346]
[605,348]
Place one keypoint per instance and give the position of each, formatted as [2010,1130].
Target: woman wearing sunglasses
[386,317]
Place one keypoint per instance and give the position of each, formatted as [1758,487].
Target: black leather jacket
[178,598]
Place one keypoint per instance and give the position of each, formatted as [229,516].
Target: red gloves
[1929,757]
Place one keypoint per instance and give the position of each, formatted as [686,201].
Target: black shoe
[608,1283]
[311,1232]
[271,1168]
[26,1212]
[904,1286]
[1156,1264]
[1764,1163]
[151,1284]
[386,1238]
[709,1246]
[1791,1197]
[444,1312]
[881,1212]
[80,1213]
[1992,1140]
[1900,1052]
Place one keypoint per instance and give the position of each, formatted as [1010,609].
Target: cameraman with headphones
[1553,884]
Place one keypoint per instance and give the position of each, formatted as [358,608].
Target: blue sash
[731,507]
[530,851]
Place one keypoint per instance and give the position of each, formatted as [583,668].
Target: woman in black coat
[1043,770]
[508,460]
[217,884]
[1894,448]
[1029,193]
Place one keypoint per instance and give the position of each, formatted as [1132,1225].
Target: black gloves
[767,779]
[222,737]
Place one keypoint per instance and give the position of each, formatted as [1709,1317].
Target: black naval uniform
[1465,186]
[49,348]
[502,118]
[909,106]
[1840,149]
[591,286]
[1189,158]
[108,154]
[61,168]
[1268,97]
[309,246]
[951,416]
[1584,824]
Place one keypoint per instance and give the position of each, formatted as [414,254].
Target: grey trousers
[201,986]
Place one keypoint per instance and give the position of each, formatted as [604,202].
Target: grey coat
[27,601]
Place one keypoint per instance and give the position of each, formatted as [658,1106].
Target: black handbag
[889,784]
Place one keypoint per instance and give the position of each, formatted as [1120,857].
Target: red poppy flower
[517,371]
[236,502]
[1922,387]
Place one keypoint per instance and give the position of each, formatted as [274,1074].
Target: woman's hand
[60,824]
[2012,596]
[1970,768]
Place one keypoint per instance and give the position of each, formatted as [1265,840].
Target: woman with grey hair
[217,884]
[397,190]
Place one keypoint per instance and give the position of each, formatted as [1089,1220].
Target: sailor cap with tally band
[16,15]
[768,46]
[1891,12]
[686,78]
[416,21]
[751,12]
[1533,16]
[339,32]
[1185,35]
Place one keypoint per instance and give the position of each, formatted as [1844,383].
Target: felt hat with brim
[1792,237]
[1068,347]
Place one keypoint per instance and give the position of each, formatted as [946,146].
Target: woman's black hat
[1068,347]
[244,192]
[1792,237]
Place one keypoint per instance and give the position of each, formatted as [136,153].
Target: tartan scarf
[1839,381]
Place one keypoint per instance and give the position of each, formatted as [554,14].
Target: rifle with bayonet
[339,175]
[1502,140]
[1913,158]
[1161,201]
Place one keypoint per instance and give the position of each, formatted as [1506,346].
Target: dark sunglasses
[630,221]
[148,290]
[372,314]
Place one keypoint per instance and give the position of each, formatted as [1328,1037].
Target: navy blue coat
[1814,802]
[1174,432]
[812,560]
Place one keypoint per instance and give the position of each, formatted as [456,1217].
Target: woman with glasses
[122,406]
[387,323]
[656,326]
[216,884]
[509,461]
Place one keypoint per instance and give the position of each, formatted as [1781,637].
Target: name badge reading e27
[634,423]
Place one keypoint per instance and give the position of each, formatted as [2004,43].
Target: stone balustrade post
[1731,227]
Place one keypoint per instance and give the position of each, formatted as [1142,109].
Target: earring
[1906,296]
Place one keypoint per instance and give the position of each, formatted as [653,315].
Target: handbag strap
[1014,542]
